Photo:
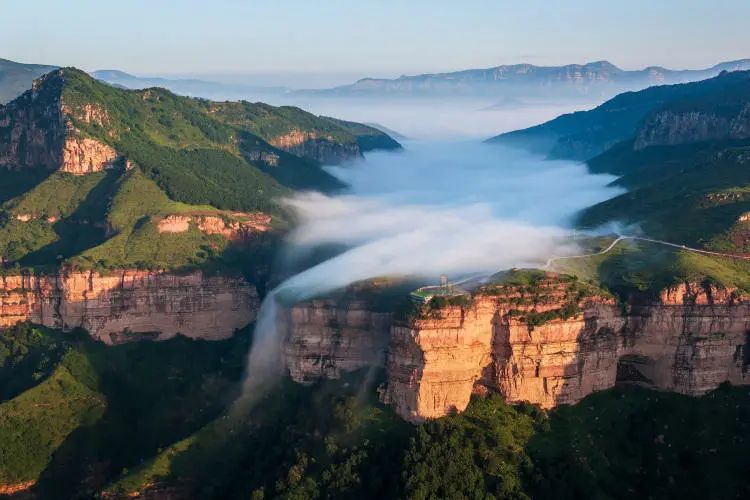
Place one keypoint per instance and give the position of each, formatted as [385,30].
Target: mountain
[686,169]
[585,134]
[16,78]
[94,175]
[682,152]
[188,86]
[595,80]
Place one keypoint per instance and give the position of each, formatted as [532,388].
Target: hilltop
[96,175]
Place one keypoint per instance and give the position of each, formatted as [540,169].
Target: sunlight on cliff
[453,208]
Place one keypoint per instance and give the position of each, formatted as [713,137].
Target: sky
[329,41]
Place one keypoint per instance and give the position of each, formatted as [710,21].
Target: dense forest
[166,417]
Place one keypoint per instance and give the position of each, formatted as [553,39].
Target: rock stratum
[550,345]
[129,305]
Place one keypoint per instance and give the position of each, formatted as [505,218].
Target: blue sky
[346,38]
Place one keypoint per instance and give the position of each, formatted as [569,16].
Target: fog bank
[438,118]
[435,208]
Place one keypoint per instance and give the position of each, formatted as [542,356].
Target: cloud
[436,208]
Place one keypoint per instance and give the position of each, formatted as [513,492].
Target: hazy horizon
[310,45]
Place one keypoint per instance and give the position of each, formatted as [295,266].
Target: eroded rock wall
[667,128]
[36,130]
[129,304]
[320,148]
[689,340]
[326,337]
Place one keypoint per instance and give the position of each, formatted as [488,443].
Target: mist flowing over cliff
[437,208]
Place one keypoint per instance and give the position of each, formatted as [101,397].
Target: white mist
[435,208]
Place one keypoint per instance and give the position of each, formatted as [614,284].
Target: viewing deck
[426,293]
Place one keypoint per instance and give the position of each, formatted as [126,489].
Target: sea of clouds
[437,207]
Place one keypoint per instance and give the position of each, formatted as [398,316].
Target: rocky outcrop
[668,128]
[550,346]
[130,304]
[310,145]
[326,337]
[690,341]
[14,489]
[33,128]
[36,131]
[82,155]
[234,226]
[267,157]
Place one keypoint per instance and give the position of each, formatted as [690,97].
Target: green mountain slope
[85,411]
[585,134]
[686,169]
[111,164]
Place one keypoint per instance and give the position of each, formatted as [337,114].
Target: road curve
[649,240]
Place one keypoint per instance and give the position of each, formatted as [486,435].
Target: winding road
[649,240]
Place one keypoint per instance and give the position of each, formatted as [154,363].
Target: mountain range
[595,79]
[590,81]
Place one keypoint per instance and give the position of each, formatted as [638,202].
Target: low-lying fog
[444,207]
[440,118]
[452,207]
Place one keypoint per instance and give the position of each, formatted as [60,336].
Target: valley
[152,246]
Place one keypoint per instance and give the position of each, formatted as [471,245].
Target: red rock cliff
[552,346]
[130,304]
[690,341]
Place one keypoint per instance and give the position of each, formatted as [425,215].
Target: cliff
[325,337]
[551,343]
[314,146]
[669,128]
[129,304]
[36,130]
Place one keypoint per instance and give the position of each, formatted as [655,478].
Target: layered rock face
[690,341]
[553,346]
[325,337]
[35,131]
[234,226]
[84,156]
[310,145]
[669,128]
[129,304]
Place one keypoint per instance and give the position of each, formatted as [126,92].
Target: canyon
[130,305]
[550,344]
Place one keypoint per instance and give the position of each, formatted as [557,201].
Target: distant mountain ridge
[16,78]
[586,134]
[187,86]
[595,78]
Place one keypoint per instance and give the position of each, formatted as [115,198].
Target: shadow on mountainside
[82,229]
[156,393]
